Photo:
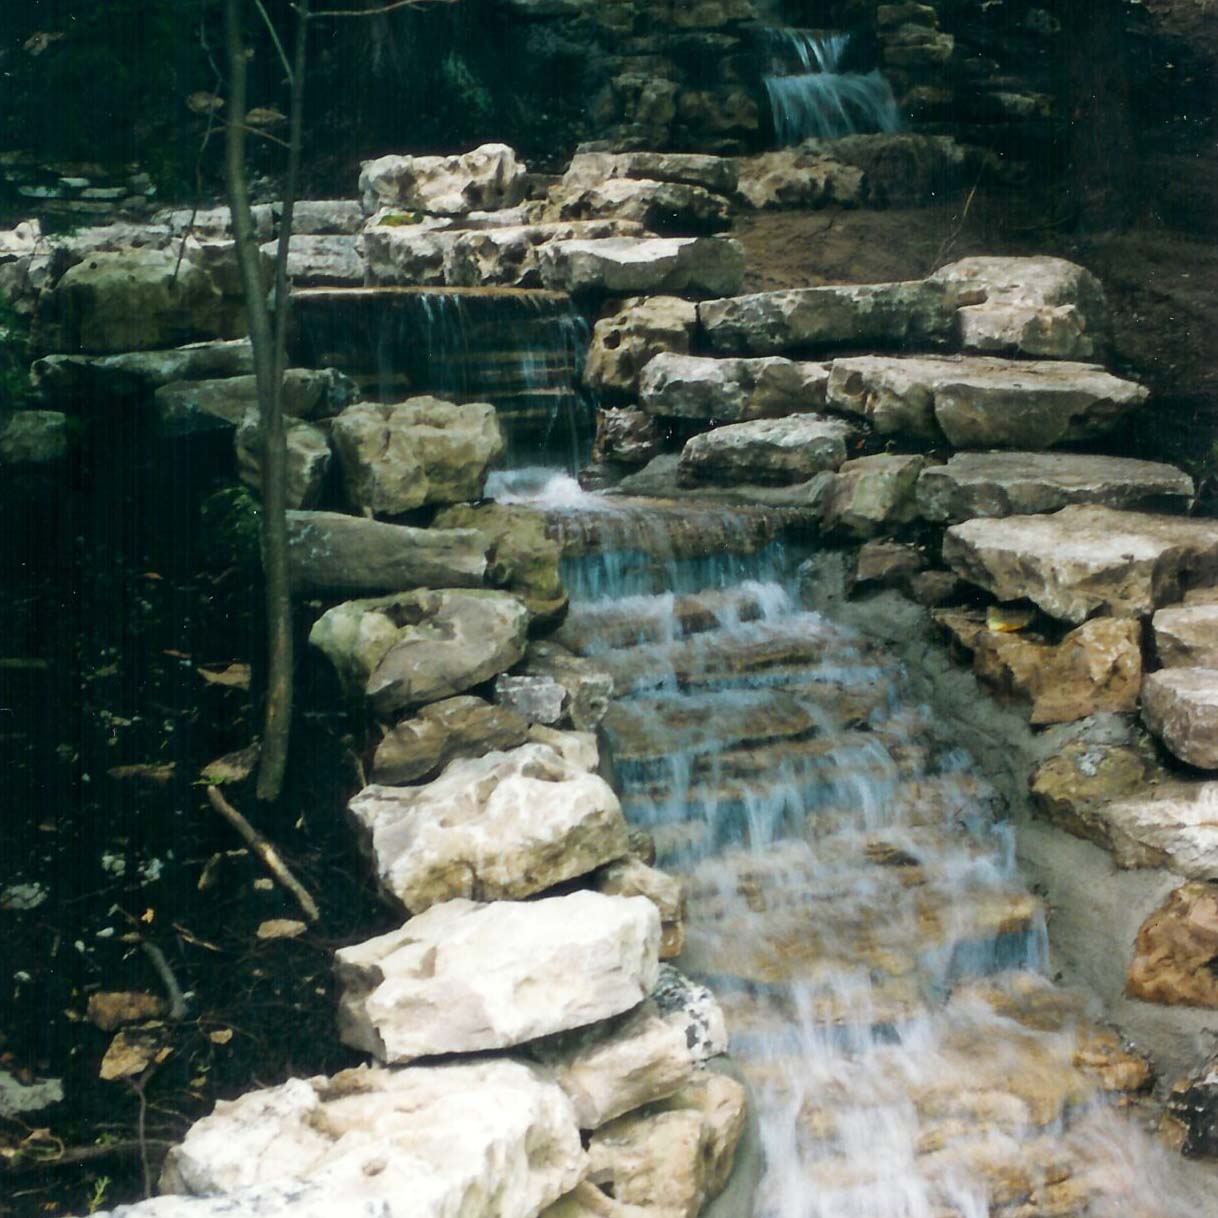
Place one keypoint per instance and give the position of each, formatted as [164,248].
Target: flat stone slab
[701,266]
[1180,706]
[489,1139]
[766,451]
[1186,636]
[465,977]
[981,401]
[1018,483]
[1174,825]
[499,827]
[1084,560]
[730,390]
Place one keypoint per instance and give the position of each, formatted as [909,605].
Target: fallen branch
[177,1002]
[76,1155]
[266,852]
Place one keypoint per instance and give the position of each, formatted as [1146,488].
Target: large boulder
[623,266]
[911,314]
[1083,559]
[730,390]
[331,552]
[421,451]
[666,208]
[396,1143]
[766,451]
[623,344]
[307,452]
[800,177]
[1180,705]
[464,726]
[871,495]
[1186,636]
[631,877]
[465,977]
[713,173]
[983,402]
[1173,958]
[487,178]
[418,647]
[499,827]
[1039,306]
[1023,483]
[647,1055]
[625,437]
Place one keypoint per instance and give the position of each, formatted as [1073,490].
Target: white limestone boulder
[730,390]
[767,452]
[624,343]
[631,877]
[1180,706]
[464,977]
[624,266]
[484,179]
[490,1139]
[1173,825]
[1023,483]
[308,458]
[499,827]
[713,173]
[1186,636]
[323,260]
[981,401]
[666,208]
[1085,560]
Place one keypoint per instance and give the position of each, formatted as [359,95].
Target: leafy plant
[15,388]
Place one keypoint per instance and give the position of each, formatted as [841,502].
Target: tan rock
[110,1009]
[1186,636]
[730,390]
[701,266]
[632,877]
[1180,705]
[623,344]
[871,495]
[766,451]
[489,177]
[1176,950]
[308,459]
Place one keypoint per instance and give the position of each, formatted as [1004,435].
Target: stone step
[633,265]
[1025,483]
[730,390]
[1180,705]
[983,401]
[769,452]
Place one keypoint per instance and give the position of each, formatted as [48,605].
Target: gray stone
[800,177]
[326,217]
[700,266]
[1186,636]
[667,208]
[872,494]
[766,451]
[730,390]
[328,260]
[184,407]
[489,177]
[1180,705]
[33,437]
[712,173]
[308,458]
[626,437]
[536,699]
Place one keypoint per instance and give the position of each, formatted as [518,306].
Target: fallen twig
[177,1001]
[266,852]
[73,1156]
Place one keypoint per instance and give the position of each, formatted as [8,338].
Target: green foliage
[14,358]
[401,219]
[466,93]
[230,528]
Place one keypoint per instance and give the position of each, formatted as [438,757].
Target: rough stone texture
[1180,705]
[918,312]
[1097,667]
[490,1139]
[700,266]
[419,647]
[887,563]
[675,1156]
[456,727]
[522,557]
[328,260]
[487,178]
[1083,560]
[464,977]
[536,699]
[1186,636]
[499,827]
[184,407]
[766,451]
[1019,483]
[330,552]
[587,688]
[873,494]
[33,437]
[421,451]
[639,1058]
[327,217]
[1177,949]
[983,402]
[800,177]
[667,208]
[730,390]
[632,877]
[1033,306]
[308,458]
[712,173]
[626,437]
[623,344]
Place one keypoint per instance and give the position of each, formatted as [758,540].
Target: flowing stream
[854,900]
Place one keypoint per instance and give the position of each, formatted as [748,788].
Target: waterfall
[811,97]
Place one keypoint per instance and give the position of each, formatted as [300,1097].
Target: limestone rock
[1083,560]
[625,437]
[1186,636]
[308,458]
[887,563]
[421,451]
[331,552]
[766,451]
[491,1139]
[916,313]
[712,173]
[499,827]
[587,688]
[1038,306]
[419,647]
[700,266]
[329,260]
[638,1058]
[983,402]
[464,977]
[631,877]
[872,494]
[1097,667]
[33,438]
[1023,483]
[674,209]
[487,178]
[1174,825]
[456,727]
[623,344]
[800,177]
[730,390]
[1180,705]
[535,699]
[327,217]
[1173,958]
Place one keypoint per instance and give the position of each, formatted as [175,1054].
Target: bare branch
[274,33]
[177,1002]
[376,12]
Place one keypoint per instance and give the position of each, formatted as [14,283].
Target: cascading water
[853,896]
[812,97]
